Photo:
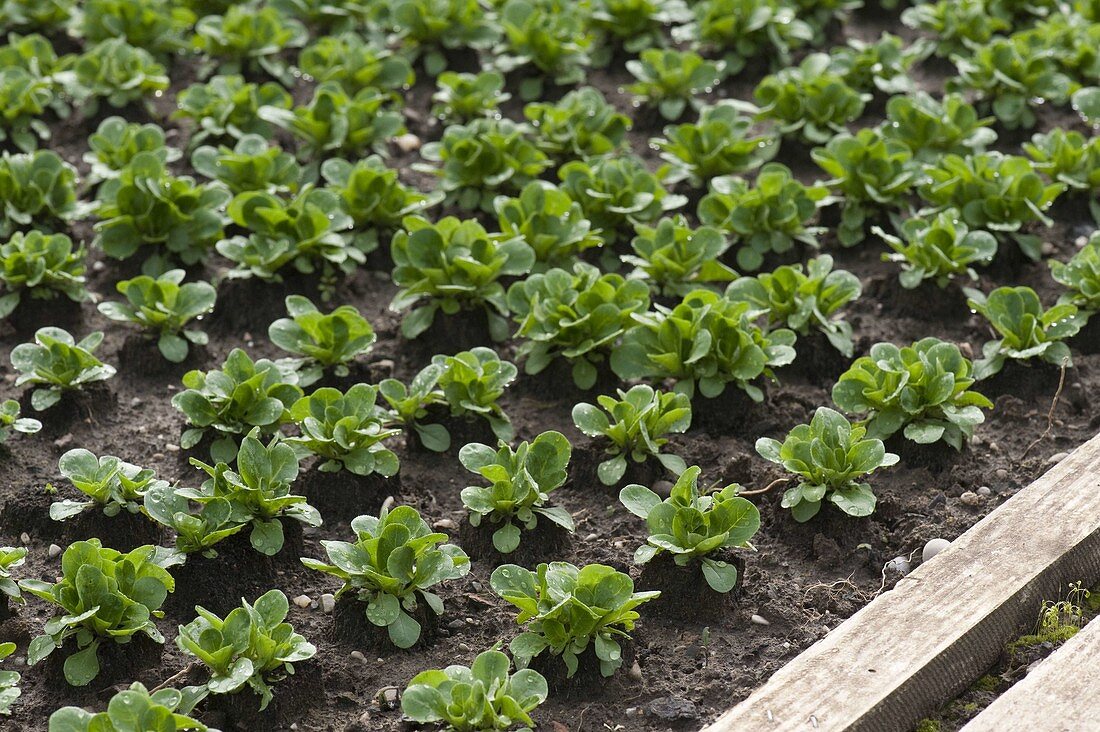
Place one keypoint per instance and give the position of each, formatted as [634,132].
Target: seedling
[521,480]
[55,363]
[566,609]
[693,526]
[923,388]
[482,697]
[1027,330]
[828,456]
[636,425]
[252,647]
[165,306]
[321,340]
[103,596]
[391,565]
[42,266]
[109,483]
[258,491]
[578,316]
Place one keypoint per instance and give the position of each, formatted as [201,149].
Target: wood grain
[1062,694]
[915,647]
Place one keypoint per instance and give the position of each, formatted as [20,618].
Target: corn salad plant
[673,258]
[36,189]
[409,405]
[452,265]
[706,341]
[635,426]
[465,97]
[550,222]
[520,483]
[993,191]
[108,482]
[258,490]
[721,142]
[922,389]
[672,80]
[11,420]
[252,164]
[306,232]
[472,382]
[935,127]
[870,171]
[375,199]
[581,124]
[130,710]
[1026,330]
[10,558]
[938,247]
[1080,277]
[578,315]
[55,363]
[566,610]
[233,399]
[829,457]
[251,648]
[693,525]
[102,596]
[618,192]
[42,266]
[164,306]
[483,696]
[809,101]
[116,143]
[348,430]
[768,216]
[483,159]
[392,564]
[803,299]
[321,341]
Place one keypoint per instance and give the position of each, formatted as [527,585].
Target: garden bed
[683,668]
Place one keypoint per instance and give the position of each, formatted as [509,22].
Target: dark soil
[803,579]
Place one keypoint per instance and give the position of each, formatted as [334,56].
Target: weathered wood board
[915,647]
[1062,694]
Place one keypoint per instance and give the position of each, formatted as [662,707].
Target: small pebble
[445,524]
[328,602]
[760,620]
[303,601]
[136,402]
[592,537]
[970,498]
[63,441]
[457,624]
[663,488]
[1001,473]
[54,550]
[25,538]
[358,656]
[985,491]
[635,671]
[99,266]
[464,647]
[1057,458]
[407,142]
[171,448]
[899,565]
[388,695]
[934,547]
[158,455]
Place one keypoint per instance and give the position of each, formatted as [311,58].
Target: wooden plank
[1062,694]
[914,647]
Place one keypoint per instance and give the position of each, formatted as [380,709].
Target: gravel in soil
[686,667]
